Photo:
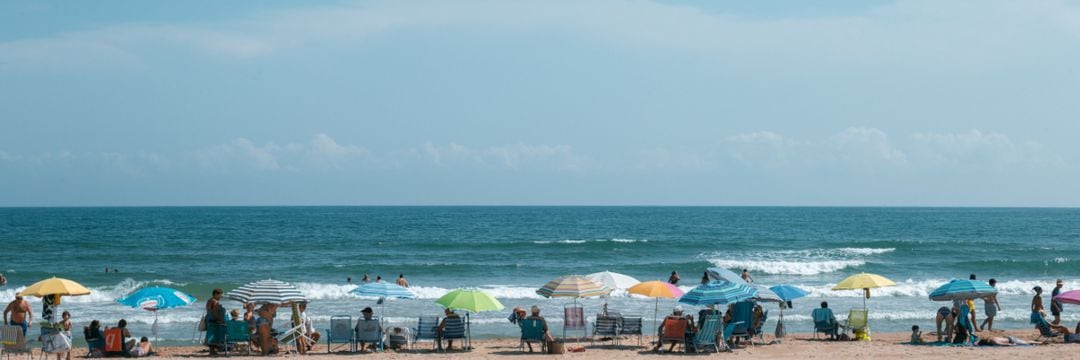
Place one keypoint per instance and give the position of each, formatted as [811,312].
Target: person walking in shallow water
[674,278]
[401,281]
[746,276]
[992,307]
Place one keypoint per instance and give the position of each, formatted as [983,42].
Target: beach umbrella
[718,293]
[156,298]
[865,282]
[656,289]
[1069,297]
[788,292]
[962,290]
[267,292]
[724,274]
[575,286]
[470,300]
[50,290]
[383,290]
[764,294]
[271,291]
[613,280]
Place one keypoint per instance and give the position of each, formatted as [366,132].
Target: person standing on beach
[992,307]
[746,276]
[1036,305]
[215,321]
[401,281]
[1055,306]
[674,278]
[20,313]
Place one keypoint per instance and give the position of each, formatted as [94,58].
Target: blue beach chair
[236,336]
[707,333]
[825,322]
[606,326]
[532,330]
[729,330]
[427,329]
[453,329]
[341,333]
[744,316]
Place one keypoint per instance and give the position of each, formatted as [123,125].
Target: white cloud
[864,146]
[518,156]
[978,149]
[321,153]
[762,148]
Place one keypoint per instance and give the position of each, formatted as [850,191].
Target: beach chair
[824,322]
[53,340]
[606,325]
[427,330]
[744,315]
[574,320]
[341,333]
[674,332]
[707,333]
[290,337]
[237,336]
[370,332]
[532,330]
[857,321]
[1045,332]
[11,336]
[95,345]
[114,342]
[757,330]
[398,337]
[725,337]
[632,325]
[453,329]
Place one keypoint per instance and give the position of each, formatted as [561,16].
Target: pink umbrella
[1069,297]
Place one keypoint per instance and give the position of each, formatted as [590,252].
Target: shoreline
[794,346]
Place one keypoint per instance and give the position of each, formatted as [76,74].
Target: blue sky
[939,103]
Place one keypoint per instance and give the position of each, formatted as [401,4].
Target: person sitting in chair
[448,314]
[369,326]
[535,310]
[824,315]
[676,316]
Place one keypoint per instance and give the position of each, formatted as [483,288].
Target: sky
[790,103]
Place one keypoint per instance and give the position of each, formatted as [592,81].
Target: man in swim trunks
[1055,306]
[20,313]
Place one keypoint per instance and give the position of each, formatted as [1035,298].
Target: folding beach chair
[707,333]
[289,338]
[674,332]
[632,325]
[11,336]
[341,333]
[453,329]
[427,329]
[1045,332]
[757,330]
[857,321]
[95,344]
[744,315]
[725,337]
[824,322]
[608,326]
[370,332]
[532,330]
[574,320]
[237,336]
[398,337]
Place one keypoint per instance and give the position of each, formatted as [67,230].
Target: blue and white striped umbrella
[718,292]
[383,290]
[788,292]
[962,290]
[267,292]
[765,295]
[157,298]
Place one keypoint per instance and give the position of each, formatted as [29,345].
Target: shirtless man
[401,281]
[20,313]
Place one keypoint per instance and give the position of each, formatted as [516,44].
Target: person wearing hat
[670,320]
[367,326]
[1055,306]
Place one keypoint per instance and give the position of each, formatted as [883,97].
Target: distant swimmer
[3,280]
[746,276]
[348,280]
[401,281]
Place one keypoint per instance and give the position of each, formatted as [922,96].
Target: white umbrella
[267,292]
[613,280]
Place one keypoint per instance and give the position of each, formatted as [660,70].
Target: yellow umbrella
[865,282]
[656,289]
[55,286]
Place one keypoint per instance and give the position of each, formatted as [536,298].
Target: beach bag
[202,323]
[55,343]
[555,347]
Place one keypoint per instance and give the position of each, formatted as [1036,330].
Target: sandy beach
[795,346]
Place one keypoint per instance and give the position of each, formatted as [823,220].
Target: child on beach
[916,335]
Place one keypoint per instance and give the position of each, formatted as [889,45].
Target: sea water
[511,251]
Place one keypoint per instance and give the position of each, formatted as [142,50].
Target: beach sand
[794,346]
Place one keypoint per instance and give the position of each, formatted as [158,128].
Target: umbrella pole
[300,344]
[153,328]
[656,311]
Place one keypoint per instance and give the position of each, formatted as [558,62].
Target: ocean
[511,251]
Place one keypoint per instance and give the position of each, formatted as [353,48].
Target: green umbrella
[470,300]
